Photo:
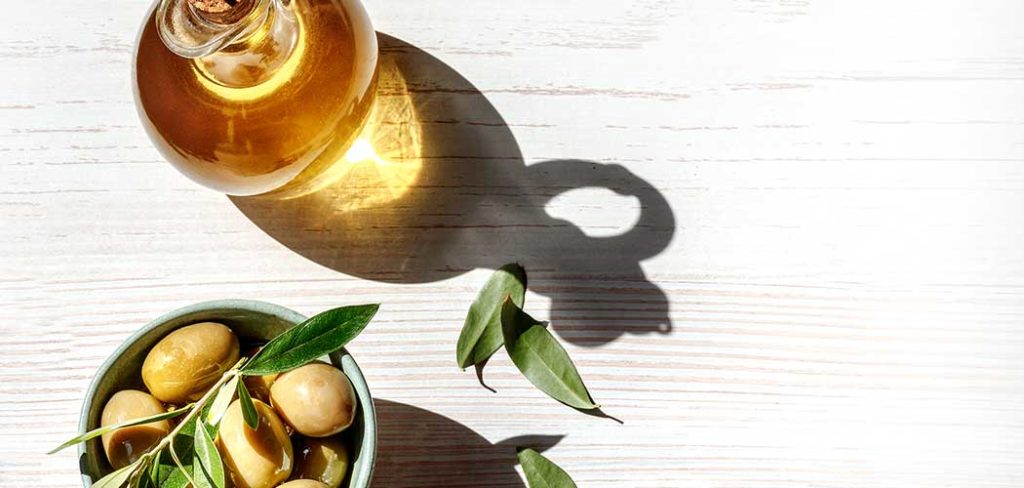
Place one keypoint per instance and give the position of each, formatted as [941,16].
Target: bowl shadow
[418,449]
[458,196]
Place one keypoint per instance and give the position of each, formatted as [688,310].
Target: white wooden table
[827,200]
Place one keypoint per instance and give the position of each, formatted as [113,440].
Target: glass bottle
[255,96]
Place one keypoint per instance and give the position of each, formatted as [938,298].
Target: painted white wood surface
[844,278]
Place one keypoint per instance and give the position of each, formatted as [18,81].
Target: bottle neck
[197,28]
[238,44]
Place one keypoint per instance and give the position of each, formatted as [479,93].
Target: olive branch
[175,462]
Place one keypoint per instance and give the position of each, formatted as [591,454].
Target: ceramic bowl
[251,320]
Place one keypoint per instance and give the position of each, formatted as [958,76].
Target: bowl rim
[281,312]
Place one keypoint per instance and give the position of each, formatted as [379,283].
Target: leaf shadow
[539,443]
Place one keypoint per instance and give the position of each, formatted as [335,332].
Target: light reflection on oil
[384,160]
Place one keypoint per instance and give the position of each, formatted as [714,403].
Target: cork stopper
[222,11]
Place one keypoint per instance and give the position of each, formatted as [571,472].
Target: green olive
[317,399]
[183,365]
[303,484]
[256,458]
[125,445]
[323,459]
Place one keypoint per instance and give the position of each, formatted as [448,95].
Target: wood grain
[843,274]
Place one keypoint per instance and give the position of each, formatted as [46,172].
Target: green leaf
[182,468]
[541,472]
[144,479]
[140,477]
[481,333]
[322,334]
[154,472]
[168,474]
[212,429]
[208,469]
[222,401]
[541,359]
[118,478]
[130,423]
[249,412]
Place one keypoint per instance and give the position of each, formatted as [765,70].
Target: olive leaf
[222,401]
[118,478]
[144,478]
[174,465]
[182,468]
[155,473]
[130,423]
[208,469]
[249,412]
[541,359]
[212,429]
[164,474]
[541,472]
[140,478]
[168,474]
[322,334]
[481,333]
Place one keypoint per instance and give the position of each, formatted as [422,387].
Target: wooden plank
[828,197]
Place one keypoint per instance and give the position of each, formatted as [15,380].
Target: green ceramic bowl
[256,321]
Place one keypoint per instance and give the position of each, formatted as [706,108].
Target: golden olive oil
[272,110]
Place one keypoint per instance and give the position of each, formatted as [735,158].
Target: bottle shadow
[417,448]
[446,191]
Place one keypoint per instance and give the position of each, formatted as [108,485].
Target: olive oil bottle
[255,96]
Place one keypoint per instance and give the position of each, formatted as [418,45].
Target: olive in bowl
[124,446]
[256,458]
[322,459]
[251,323]
[317,399]
[187,362]
[304,484]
